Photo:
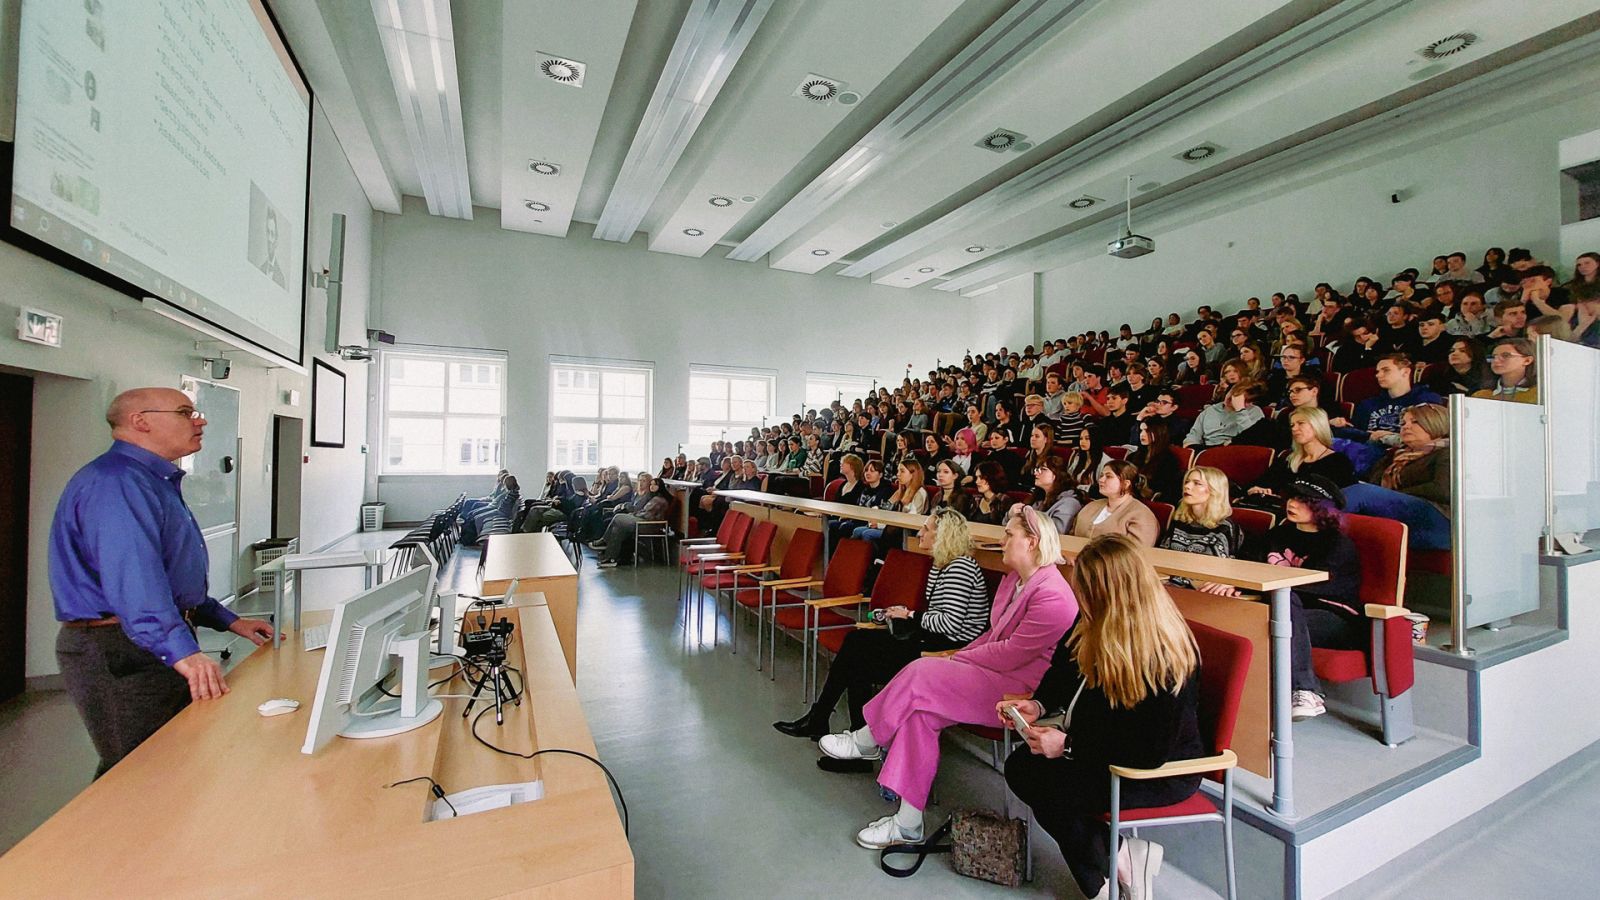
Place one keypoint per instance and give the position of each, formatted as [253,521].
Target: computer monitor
[369,631]
[444,601]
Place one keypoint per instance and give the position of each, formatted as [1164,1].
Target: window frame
[598,366]
[838,379]
[736,429]
[452,359]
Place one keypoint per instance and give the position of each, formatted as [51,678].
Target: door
[211,487]
[287,446]
[16,434]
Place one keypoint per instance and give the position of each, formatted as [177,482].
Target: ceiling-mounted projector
[355,353]
[1130,245]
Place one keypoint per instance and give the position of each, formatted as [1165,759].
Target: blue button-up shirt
[124,544]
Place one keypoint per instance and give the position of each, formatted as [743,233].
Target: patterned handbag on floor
[982,844]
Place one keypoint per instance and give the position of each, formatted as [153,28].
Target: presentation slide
[165,142]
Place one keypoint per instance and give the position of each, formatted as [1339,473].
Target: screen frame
[321,418]
[11,235]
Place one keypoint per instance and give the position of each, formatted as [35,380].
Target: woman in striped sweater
[955,609]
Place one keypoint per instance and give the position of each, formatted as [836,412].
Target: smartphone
[1017,721]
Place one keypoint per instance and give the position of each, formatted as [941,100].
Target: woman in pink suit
[1032,609]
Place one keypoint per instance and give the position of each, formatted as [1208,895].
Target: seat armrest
[717,557]
[751,570]
[1382,611]
[1200,766]
[699,540]
[793,582]
[830,602]
[652,522]
[869,625]
[931,653]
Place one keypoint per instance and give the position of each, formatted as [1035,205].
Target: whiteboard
[211,485]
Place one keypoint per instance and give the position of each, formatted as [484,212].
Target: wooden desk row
[220,801]
[537,564]
[1264,710]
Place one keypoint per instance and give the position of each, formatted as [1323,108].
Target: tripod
[496,675]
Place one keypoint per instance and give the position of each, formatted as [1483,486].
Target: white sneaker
[608,564]
[843,746]
[1306,705]
[885,832]
[1146,862]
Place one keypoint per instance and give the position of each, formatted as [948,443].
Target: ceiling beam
[714,36]
[419,46]
[1023,29]
[307,32]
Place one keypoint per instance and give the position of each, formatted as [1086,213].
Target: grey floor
[723,806]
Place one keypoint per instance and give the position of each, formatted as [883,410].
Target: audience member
[1118,511]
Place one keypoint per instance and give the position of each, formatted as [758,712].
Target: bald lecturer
[128,570]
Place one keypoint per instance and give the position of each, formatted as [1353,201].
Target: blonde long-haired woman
[955,609]
[1124,690]
[1201,523]
[1310,453]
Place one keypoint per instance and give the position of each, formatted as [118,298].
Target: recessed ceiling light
[540,167]
[693,232]
[720,201]
[819,252]
[561,70]
[1083,202]
[536,206]
[748,198]
[849,98]
[925,269]
[976,249]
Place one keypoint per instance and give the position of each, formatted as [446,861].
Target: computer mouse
[278,707]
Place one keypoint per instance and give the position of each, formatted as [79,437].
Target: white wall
[110,345]
[1003,317]
[471,284]
[1494,186]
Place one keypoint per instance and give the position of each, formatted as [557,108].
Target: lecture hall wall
[1486,183]
[472,284]
[111,344]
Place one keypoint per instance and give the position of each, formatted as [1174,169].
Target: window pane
[747,411]
[716,410]
[415,445]
[624,445]
[417,387]
[471,432]
[700,438]
[749,389]
[464,373]
[475,397]
[708,386]
[575,444]
[581,400]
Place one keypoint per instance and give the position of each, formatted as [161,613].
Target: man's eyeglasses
[1299,389]
[185,411]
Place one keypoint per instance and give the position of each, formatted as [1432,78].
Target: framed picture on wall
[327,405]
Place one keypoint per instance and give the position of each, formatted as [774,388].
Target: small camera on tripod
[488,641]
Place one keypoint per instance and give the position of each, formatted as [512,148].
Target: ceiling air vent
[819,89]
[925,269]
[1084,202]
[720,201]
[540,167]
[536,206]
[1200,153]
[560,70]
[1448,46]
[1001,139]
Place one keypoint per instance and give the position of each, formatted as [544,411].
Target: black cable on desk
[434,788]
[609,777]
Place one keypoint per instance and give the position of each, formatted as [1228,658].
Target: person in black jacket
[1327,614]
[1122,689]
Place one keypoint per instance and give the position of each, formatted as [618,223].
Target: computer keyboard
[314,637]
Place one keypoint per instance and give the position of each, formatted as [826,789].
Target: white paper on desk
[482,799]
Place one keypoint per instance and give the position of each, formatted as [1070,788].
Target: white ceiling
[892,185]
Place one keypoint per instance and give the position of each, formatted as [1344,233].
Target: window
[724,404]
[599,416]
[443,413]
[822,388]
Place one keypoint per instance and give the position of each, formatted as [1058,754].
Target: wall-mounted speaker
[335,279]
